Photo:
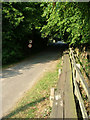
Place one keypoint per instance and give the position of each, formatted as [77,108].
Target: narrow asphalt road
[18,79]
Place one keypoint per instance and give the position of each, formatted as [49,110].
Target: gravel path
[18,79]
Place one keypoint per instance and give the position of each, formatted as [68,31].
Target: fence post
[59,73]
[51,97]
[77,75]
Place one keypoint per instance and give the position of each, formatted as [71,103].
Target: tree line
[40,22]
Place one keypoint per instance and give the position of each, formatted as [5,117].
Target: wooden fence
[63,98]
[78,77]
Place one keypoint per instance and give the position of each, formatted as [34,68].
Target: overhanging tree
[68,21]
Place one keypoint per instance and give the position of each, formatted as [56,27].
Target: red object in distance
[30,45]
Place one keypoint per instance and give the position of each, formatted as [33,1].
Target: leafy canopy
[68,21]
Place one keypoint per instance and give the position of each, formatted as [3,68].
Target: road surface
[18,79]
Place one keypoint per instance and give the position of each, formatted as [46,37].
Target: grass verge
[35,103]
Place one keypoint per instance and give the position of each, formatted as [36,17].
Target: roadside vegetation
[41,22]
[21,22]
[36,102]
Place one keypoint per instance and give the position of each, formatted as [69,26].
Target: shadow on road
[51,53]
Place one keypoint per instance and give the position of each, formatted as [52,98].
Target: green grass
[37,99]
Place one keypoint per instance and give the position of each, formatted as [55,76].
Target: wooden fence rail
[63,100]
[77,76]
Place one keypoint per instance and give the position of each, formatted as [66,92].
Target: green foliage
[11,19]
[21,22]
[67,21]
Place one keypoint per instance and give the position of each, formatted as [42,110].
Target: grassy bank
[35,103]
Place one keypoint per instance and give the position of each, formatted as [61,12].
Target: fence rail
[77,76]
[63,95]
